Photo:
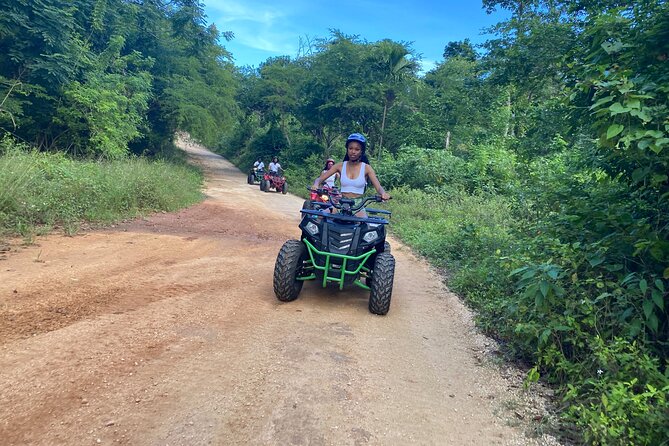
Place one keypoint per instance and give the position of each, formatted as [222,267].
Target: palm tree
[392,57]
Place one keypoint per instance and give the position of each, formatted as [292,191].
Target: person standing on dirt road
[274,166]
[354,171]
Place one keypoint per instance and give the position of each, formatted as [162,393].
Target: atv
[274,180]
[321,195]
[255,175]
[339,247]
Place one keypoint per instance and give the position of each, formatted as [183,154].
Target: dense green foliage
[39,191]
[533,168]
[103,77]
[106,80]
[536,174]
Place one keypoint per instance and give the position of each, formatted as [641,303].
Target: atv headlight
[370,236]
[312,228]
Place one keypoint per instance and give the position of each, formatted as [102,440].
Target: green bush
[483,167]
[418,168]
[623,398]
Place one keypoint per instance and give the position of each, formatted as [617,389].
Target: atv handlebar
[346,206]
[330,197]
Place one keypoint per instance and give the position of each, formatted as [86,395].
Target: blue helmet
[357,137]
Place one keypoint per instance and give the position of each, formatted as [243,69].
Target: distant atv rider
[259,165]
[274,166]
[354,171]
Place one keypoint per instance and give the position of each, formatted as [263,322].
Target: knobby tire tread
[382,283]
[286,288]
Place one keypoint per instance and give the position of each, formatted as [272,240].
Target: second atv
[274,180]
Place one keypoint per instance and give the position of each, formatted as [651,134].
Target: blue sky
[269,28]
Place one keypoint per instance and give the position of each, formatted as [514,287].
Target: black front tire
[265,185]
[284,188]
[381,283]
[307,205]
[250,178]
[288,265]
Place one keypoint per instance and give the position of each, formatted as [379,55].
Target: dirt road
[166,331]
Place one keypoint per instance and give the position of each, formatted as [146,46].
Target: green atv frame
[337,275]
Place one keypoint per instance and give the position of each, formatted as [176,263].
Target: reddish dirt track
[166,331]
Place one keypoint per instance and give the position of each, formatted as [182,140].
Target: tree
[107,109]
[71,71]
[395,68]
[463,49]
[42,52]
[528,62]
[335,93]
[279,82]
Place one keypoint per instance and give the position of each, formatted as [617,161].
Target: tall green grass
[39,191]
[464,235]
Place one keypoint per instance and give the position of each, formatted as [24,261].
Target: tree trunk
[383,126]
[447,142]
[507,127]
[284,130]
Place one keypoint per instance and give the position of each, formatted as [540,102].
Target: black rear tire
[381,283]
[386,247]
[288,264]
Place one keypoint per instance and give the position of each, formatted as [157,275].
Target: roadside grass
[41,191]
[461,233]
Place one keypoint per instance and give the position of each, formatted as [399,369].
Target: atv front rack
[347,218]
[340,274]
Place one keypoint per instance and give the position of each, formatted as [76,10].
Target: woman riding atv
[354,172]
[274,166]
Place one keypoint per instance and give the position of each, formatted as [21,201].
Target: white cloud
[233,11]
[426,65]
[255,25]
[265,42]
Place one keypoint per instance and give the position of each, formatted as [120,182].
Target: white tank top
[331,180]
[355,186]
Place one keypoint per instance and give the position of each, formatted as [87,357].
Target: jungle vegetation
[533,168]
